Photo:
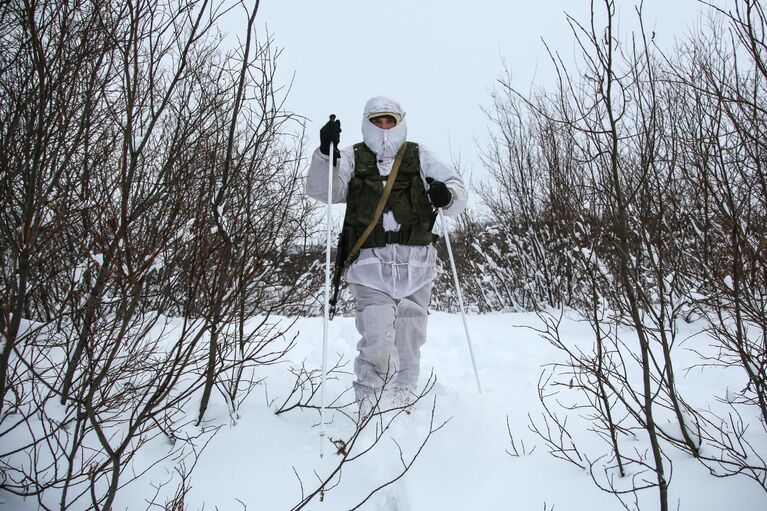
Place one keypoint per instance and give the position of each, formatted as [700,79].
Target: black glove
[331,132]
[439,195]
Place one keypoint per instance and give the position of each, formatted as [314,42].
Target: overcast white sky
[439,58]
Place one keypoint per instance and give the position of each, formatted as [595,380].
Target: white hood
[385,143]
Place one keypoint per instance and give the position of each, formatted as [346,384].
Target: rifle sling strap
[381,204]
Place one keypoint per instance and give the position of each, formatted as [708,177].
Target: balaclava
[385,143]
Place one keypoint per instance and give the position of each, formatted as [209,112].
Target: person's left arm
[433,169]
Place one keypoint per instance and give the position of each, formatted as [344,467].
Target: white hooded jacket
[398,270]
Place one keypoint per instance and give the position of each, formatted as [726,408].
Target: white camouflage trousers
[393,332]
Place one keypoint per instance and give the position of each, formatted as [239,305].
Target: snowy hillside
[253,462]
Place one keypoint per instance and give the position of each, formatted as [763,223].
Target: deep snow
[253,461]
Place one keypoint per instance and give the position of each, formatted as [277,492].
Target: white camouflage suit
[391,284]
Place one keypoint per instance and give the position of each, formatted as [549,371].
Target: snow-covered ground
[261,461]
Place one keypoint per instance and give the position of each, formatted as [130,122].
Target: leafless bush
[145,175]
[634,192]
[370,428]
[515,451]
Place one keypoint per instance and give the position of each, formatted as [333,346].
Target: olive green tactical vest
[407,201]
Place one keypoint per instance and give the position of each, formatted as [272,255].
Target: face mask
[385,143]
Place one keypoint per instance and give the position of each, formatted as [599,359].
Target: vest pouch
[420,200]
[399,202]
[366,193]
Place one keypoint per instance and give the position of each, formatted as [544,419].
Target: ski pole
[460,297]
[326,314]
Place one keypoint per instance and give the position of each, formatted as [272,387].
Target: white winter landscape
[259,460]
[162,270]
